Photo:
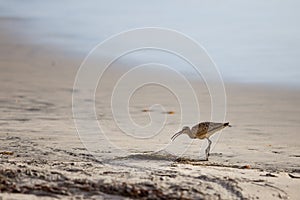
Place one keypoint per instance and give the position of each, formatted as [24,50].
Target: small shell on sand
[146,110]
[169,112]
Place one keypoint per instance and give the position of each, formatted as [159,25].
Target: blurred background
[250,41]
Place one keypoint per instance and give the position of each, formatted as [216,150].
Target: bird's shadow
[148,156]
[164,156]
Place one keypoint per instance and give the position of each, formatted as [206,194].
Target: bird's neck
[190,134]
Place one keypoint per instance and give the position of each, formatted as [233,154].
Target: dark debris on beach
[78,174]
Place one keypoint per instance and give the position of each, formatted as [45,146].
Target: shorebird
[202,131]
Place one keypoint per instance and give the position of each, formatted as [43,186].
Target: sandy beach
[42,156]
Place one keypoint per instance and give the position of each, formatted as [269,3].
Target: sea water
[249,41]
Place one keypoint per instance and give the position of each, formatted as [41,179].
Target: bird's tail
[227,124]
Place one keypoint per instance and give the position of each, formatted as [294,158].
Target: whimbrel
[202,131]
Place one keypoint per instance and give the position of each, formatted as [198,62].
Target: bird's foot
[203,159]
[207,154]
[206,158]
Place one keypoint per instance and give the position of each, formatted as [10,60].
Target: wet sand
[42,156]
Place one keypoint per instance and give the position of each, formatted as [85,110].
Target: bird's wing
[215,126]
[201,128]
[205,129]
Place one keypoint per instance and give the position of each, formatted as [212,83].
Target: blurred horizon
[250,41]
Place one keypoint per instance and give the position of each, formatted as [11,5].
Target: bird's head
[185,130]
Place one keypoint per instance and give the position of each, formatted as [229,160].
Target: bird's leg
[209,144]
[208,148]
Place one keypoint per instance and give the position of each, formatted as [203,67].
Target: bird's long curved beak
[176,135]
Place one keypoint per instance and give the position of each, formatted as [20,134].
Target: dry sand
[41,156]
